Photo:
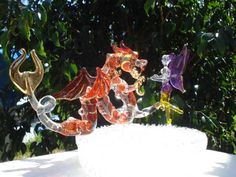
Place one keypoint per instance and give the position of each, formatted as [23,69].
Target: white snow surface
[136,150]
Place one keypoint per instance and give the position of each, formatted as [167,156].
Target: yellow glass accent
[166,106]
[26,81]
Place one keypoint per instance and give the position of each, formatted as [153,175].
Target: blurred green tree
[70,34]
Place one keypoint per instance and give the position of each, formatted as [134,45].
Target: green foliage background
[68,35]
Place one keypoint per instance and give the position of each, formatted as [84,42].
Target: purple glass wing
[177,82]
[177,67]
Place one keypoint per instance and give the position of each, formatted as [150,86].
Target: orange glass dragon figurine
[91,91]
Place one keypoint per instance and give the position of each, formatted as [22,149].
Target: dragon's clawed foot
[138,84]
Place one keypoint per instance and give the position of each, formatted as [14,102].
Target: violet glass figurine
[171,77]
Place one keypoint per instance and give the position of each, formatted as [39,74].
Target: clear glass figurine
[171,77]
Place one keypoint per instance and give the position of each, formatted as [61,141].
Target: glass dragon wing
[76,88]
[101,86]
